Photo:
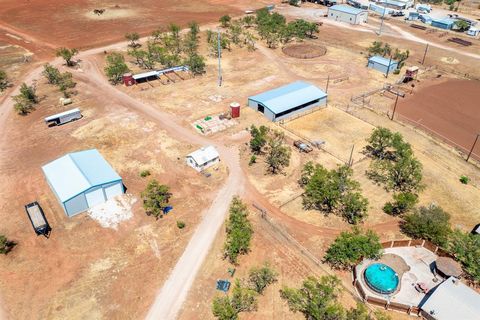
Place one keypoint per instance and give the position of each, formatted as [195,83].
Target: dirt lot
[63,23]
[96,270]
[448,108]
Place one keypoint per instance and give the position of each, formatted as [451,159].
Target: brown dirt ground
[77,280]
[118,277]
[74,25]
[447,107]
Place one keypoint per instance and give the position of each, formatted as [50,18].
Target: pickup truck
[303,147]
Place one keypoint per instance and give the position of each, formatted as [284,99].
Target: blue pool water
[381,278]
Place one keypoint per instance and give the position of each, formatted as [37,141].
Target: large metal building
[81,180]
[344,13]
[285,101]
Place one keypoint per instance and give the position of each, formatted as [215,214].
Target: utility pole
[394,107]
[381,23]
[388,68]
[473,147]
[425,54]
[328,81]
[219,59]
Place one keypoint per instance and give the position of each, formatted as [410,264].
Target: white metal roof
[289,96]
[204,155]
[61,114]
[77,172]
[453,300]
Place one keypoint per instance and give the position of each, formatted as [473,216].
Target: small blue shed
[445,23]
[382,64]
[285,101]
[81,180]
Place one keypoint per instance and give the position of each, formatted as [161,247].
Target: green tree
[28,93]
[190,42]
[115,67]
[261,277]
[333,191]
[379,143]
[51,73]
[466,248]
[239,231]
[223,309]
[157,35]
[461,25]
[133,37]
[400,57]
[430,223]
[278,155]
[405,175]
[402,202]
[65,83]
[196,64]
[243,299]
[225,20]
[67,55]
[248,21]
[234,32]
[258,138]
[316,299]
[173,41]
[354,207]
[350,247]
[25,101]
[5,245]
[4,82]
[155,198]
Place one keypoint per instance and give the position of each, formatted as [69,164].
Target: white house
[203,158]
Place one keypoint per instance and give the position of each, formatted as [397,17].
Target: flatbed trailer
[37,218]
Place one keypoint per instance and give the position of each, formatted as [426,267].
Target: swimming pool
[381,278]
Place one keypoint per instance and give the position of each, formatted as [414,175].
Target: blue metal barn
[285,101]
[81,180]
[382,64]
[445,23]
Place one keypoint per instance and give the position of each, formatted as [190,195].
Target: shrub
[260,278]
[396,71]
[430,223]
[402,203]
[253,160]
[5,245]
[350,247]
[466,248]
[155,198]
[464,179]
[180,224]
[145,173]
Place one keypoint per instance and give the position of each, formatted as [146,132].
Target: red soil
[73,24]
[449,109]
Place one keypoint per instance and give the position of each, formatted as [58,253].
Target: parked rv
[37,218]
[64,117]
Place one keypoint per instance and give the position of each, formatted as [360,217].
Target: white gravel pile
[109,214]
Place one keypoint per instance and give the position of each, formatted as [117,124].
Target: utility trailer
[37,218]
[63,117]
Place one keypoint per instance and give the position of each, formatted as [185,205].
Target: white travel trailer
[64,117]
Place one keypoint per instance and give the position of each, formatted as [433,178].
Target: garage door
[95,197]
[115,190]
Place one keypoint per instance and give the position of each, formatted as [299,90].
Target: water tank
[235,109]
[128,79]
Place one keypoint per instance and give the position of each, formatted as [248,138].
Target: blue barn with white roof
[285,101]
[81,180]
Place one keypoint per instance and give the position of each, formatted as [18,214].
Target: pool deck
[420,261]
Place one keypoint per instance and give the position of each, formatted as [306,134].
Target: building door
[261,109]
[115,190]
[95,197]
